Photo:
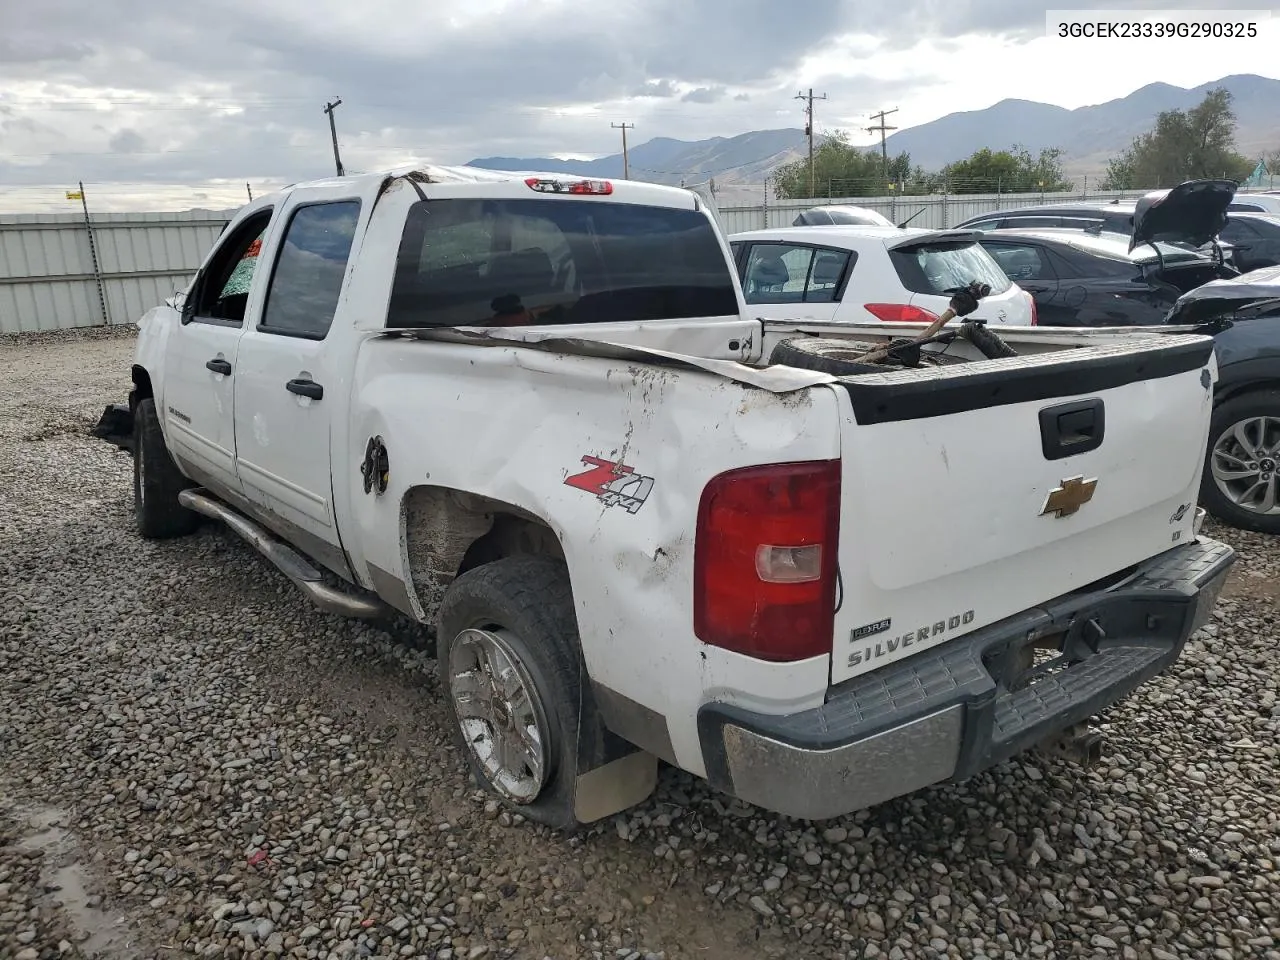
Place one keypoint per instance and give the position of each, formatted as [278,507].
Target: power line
[626,163]
[884,149]
[333,132]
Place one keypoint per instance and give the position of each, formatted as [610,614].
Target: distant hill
[1090,135]
[747,158]
[1087,135]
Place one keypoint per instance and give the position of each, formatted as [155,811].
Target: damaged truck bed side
[533,413]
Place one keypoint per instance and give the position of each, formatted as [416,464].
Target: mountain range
[1088,136]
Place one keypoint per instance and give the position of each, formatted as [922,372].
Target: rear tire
[510,664]
[1256,417]
[157,481]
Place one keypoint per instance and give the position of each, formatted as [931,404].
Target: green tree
[839,170]
[1007,171]
[1182,145]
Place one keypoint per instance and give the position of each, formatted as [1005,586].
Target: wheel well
[141,386]
[448,532]
[1245,388]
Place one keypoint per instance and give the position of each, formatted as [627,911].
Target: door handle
[218,365]
[1071,428]
[305,388]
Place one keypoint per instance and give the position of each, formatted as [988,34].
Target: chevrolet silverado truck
[818,565]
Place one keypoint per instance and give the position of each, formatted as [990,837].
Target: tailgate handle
[1072,428]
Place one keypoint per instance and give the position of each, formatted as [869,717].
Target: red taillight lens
[595,188]
[900,313]
[764,567]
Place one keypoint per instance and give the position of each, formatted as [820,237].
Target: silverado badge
[1065,500]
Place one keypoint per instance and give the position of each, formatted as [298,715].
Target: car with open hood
[1191,214]
[1085,280]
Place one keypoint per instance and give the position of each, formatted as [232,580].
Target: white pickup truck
[535,413]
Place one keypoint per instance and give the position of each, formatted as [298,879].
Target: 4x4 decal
[616,485]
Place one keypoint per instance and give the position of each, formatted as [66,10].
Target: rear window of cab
[516,262]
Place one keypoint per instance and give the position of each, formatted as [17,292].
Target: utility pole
[882,130]
[626,164]
[78,194]
[333,132]
[249,191]
[808,130]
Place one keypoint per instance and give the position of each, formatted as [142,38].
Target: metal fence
[57,272]
[932,212]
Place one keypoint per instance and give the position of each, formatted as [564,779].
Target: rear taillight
[899,313]
[1035,313]
[764,568]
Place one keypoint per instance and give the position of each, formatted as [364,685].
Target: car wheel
[1241,481]
[510,665]
[157,481]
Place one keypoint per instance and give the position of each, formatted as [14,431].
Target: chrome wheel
[503,721]
[1246,464]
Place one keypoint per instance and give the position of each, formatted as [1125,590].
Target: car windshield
[474,262]
[940,268]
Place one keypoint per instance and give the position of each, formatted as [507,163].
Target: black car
[1081,280]
[841,214]
[1254,239]
[1241,483]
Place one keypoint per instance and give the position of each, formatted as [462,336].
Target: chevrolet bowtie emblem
[1065,500]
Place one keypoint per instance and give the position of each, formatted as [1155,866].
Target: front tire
[1241,480]
[157,481]
[511,668]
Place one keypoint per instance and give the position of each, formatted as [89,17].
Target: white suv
[861,274]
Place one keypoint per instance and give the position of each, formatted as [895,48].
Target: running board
[287,560]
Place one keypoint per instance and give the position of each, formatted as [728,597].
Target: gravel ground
[194,762]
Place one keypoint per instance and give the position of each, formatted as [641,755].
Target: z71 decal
[614,484]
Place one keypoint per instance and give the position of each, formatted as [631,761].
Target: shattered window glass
[242,275]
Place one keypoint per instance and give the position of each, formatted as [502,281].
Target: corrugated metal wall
[47,279]
[936,211]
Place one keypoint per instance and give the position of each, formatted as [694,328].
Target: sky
[160,106]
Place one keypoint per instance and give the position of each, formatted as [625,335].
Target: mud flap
[613,774]
[116,426]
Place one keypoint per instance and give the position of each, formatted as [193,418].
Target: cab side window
[222,290]
[310,268]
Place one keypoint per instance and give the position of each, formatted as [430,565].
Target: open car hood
[1219,296]
[1193,213]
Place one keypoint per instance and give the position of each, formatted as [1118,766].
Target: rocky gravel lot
[194,762]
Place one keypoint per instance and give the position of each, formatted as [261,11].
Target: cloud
[39,49]
[655,88]
[704,95]
[232,90]
[127,141]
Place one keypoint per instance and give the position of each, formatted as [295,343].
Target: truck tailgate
[975,491]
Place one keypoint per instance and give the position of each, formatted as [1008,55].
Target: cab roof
[371,183]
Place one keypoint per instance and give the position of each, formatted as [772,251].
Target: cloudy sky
[159,105]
